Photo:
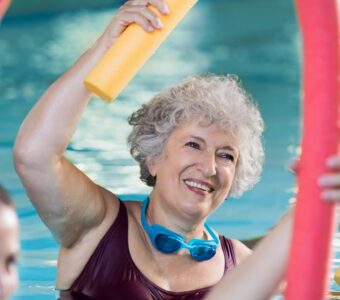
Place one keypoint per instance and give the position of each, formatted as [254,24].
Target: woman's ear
[152,166]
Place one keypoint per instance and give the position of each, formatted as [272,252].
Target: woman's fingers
[332,178]
[144,17]
[135,17]
[333,162]
[159,4]
[331,195]
[330,182]
[294,166]
[135,11]
[331,186]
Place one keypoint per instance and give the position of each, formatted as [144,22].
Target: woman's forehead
[205,123]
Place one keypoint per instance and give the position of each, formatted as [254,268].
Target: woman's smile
[196,169]
[198,186]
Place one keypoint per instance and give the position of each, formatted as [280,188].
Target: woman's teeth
[198,185]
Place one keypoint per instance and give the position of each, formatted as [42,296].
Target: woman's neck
[159,212]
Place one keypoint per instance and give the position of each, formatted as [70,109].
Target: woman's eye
[227,156]
[193,145]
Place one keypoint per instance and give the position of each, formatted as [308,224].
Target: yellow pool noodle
[131,50]
[337,276]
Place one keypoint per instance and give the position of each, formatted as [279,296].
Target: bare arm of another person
[68,202]
[258,276]
[262,271]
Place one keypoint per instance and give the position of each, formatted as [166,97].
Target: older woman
[9,246]
[196,142]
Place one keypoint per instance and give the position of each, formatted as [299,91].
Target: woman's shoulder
[241,250]
[73,259]
[133,208]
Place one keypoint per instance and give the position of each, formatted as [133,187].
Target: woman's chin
[196,210]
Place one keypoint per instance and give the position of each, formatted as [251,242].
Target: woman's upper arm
[68,202]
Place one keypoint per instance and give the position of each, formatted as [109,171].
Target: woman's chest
[175,272]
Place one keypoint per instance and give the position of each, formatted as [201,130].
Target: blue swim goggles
[167,241]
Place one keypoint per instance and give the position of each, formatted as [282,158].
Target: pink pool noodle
[308,266]
[4,5]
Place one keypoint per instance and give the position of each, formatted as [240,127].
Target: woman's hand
[330,182]
[135,11]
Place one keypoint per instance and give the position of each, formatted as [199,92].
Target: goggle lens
[203,252]
[167,244]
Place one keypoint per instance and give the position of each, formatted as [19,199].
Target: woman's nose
[208,163]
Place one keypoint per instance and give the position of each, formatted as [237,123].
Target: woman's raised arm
[259,275]
[68,202]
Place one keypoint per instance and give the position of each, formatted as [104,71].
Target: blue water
[258,40]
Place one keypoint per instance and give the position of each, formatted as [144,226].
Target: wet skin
[9,251]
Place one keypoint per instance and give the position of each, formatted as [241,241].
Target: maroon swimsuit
[111,273]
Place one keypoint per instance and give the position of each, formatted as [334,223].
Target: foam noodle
[4,5]
[308,266]
[131,51]
[337,276]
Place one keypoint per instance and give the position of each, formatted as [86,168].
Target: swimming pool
[258,40]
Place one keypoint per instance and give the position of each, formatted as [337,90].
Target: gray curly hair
[219,100]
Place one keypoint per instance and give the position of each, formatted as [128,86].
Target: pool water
[257,40]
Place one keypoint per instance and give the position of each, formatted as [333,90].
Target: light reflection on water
[258,40]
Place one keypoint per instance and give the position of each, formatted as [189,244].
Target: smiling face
[196,169]
[9,251]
